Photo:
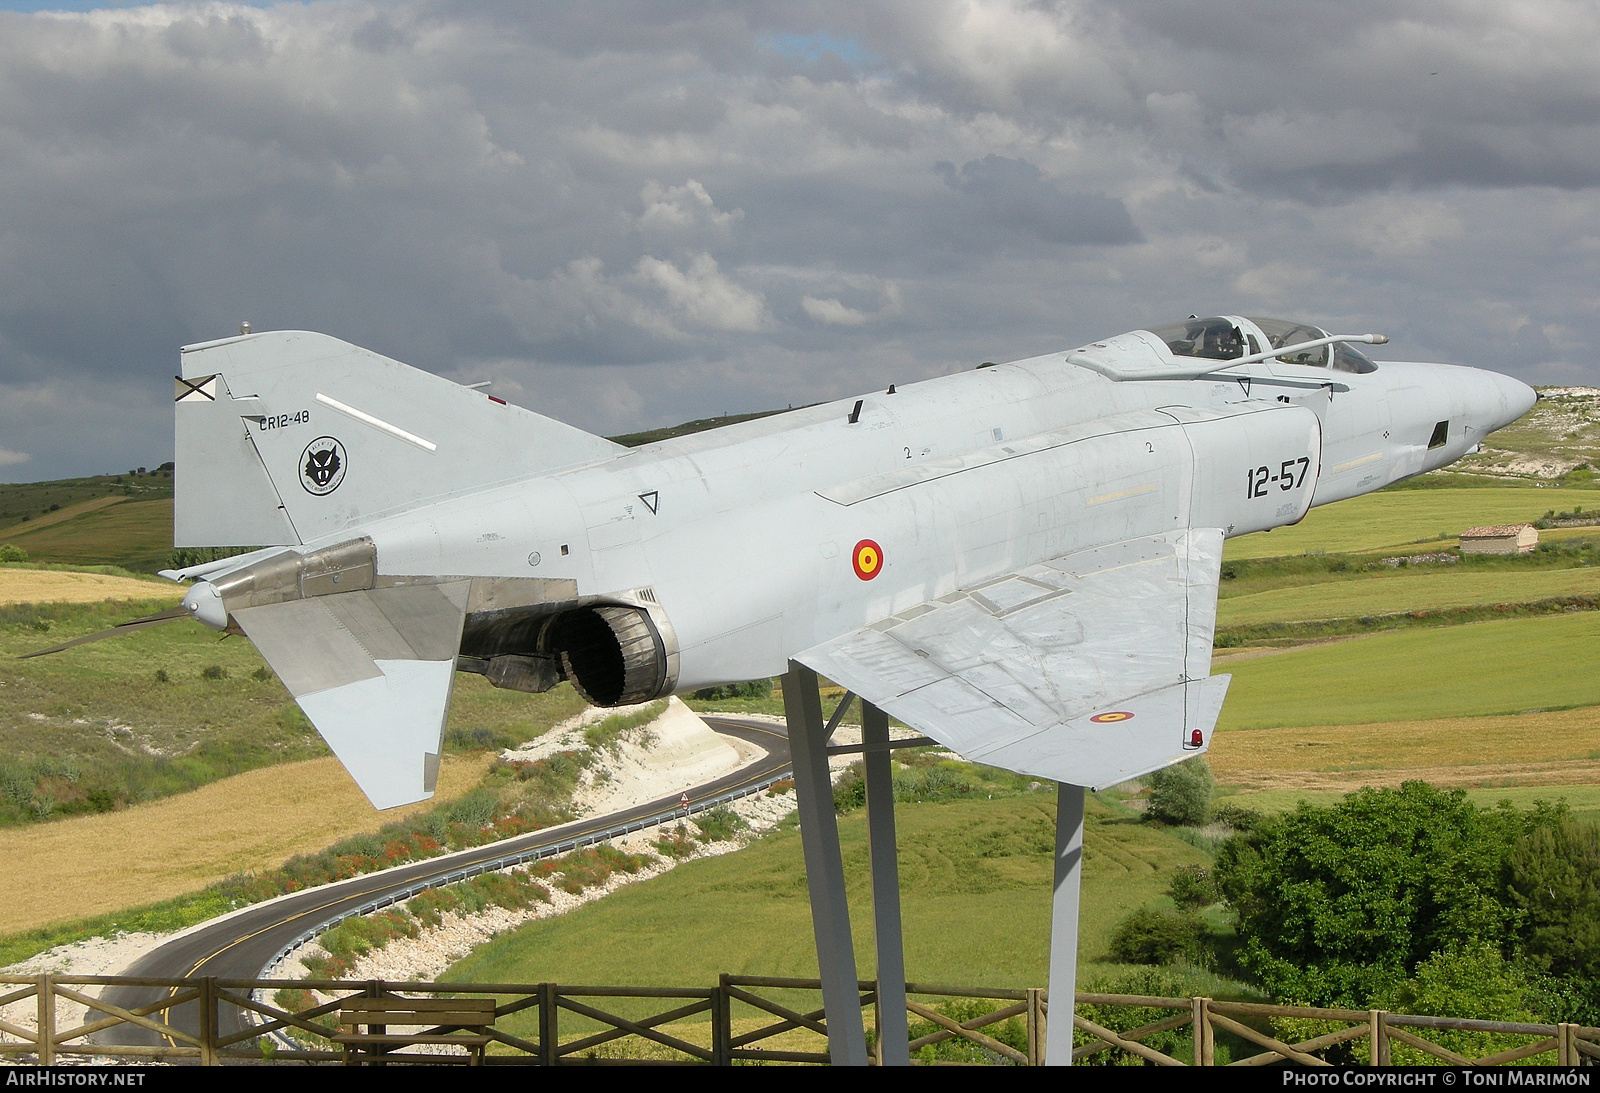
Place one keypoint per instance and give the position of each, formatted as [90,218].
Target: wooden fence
[742,1018]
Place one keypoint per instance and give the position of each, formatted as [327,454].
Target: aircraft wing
[372,669]
[1089,669]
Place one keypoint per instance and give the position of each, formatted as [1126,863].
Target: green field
[1397,590]
[1396,518]
[23,503]
[1408,675]
[135,535]
[975,886]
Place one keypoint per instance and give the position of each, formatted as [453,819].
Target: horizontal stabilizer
[1089,669]
[373,671]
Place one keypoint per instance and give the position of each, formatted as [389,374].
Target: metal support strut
[819,840]
[893,1036]
[1064,924]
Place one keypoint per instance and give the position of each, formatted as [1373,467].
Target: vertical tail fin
[287,436]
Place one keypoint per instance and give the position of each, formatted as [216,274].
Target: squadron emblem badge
[322,465]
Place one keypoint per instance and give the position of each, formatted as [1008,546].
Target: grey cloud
[470,187]
[1015,195]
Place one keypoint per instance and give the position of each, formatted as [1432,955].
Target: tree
[1338,906]
[1181,793]
[1553,878]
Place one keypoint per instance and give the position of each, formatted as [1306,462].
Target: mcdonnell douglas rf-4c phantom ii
[1020,561]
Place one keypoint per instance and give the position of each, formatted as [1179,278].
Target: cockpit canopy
[1229,337]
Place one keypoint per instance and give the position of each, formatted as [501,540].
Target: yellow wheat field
[1535,749]
[91,865]
[50,586]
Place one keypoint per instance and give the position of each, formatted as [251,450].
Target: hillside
[123,520]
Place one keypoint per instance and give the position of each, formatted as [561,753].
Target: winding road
[243,944]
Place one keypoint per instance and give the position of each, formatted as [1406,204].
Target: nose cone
[1508,400]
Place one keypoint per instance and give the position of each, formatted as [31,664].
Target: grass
[96,728]
[134,534]
[748,913]
[30,503]
[1394,518]
[1409,675]
[1405,590]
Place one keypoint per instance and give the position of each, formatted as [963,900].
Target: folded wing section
[372,670]
[1088,669]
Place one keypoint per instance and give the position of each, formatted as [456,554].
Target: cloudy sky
[631,214]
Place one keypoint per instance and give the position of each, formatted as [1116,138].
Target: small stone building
[1500,539]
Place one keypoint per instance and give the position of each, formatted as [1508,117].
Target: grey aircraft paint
[1020,561]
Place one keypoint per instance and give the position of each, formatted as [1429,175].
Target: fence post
[1563,1044]
[1035,1026]
[47,1022]
[1380,1038]
[1204,1051]
[208,1021]
[547,1024]
[721,1024]
[875,1049]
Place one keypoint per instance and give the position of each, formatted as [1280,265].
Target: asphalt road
[241,945]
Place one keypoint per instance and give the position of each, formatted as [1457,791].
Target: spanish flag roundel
[867,559]
[1114,715]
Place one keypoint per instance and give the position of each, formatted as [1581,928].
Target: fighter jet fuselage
[1010,558]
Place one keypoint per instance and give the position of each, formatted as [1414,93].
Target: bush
[1010,1032]
[475,809]
[1157,937]
[1193,887]
[213,671]
[755,688]
[850,791]
[184,557]
[479,739]
[1236,817]
[675,844]
[1338,906]
[720,824]
[1181,793]
[1469,980]
[9,553]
